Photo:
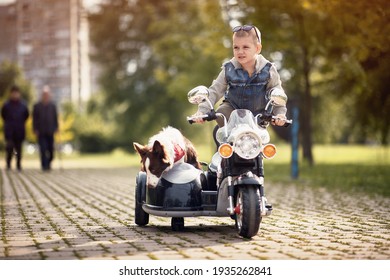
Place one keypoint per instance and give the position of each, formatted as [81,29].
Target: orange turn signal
[225,150]
[269,151]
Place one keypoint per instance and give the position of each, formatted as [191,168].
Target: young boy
[245,80]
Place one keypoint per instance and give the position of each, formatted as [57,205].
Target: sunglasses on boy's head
[246,28]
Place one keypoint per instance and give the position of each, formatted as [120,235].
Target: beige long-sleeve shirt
[220,85]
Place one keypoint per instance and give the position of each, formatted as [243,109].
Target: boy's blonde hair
[243,33]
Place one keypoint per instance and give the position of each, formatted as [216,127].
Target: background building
[8,33]
[51,44]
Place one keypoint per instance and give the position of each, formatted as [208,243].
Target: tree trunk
[306,101]
[307,141]
[385,134]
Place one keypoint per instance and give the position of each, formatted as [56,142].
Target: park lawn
[338,167]
[115,159]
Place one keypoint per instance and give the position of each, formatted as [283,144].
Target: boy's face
[245,49]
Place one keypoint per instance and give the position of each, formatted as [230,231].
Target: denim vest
[244,92]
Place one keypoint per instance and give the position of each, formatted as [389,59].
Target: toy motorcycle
[232,185]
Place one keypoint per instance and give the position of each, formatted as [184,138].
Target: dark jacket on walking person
[45,124]
[15,114]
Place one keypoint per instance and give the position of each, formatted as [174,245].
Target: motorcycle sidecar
[183,191]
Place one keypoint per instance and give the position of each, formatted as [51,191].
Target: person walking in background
[45,124]
[14,114]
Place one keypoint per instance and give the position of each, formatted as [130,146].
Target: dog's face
[154,161]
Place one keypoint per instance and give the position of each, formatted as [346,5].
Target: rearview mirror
[198,95]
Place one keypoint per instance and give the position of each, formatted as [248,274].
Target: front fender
[223,191]
[246,180]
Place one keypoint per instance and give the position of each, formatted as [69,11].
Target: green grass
[355,168]
[116,159]
[372,179]
[338,167]
[342,167]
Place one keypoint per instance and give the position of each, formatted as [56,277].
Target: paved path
[88,214]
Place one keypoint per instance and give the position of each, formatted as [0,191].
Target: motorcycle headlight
[247,145]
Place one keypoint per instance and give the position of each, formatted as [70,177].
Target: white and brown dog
[165,149]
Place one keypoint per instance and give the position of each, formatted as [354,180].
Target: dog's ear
[141,150]
[159,149]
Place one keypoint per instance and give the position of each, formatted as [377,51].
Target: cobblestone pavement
[88,214]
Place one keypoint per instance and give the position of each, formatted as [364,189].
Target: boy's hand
[197,117]
[280,120]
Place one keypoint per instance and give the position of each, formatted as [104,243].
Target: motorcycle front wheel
[247,215]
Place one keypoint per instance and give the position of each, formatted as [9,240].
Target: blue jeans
[46,148]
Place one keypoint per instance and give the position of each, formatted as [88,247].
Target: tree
[362,29]
[332,57]
[11,74]
[335,54]
[294,30]
[152,52]
[95,129]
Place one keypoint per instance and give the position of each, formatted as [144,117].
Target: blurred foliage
[333,57]
[95,129]
[10,75]
[337,57]
[30,135]
[311,43]
[152,54]
[65,133]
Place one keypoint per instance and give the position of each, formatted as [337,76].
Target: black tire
[249,219]
[141,217]
[177,224]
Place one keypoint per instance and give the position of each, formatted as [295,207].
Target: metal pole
[295,143]
[59,148]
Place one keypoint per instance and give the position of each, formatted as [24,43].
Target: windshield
[239,117]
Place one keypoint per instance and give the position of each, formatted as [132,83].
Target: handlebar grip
[207,117]
[288,123]
[210,116]
[273,118]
